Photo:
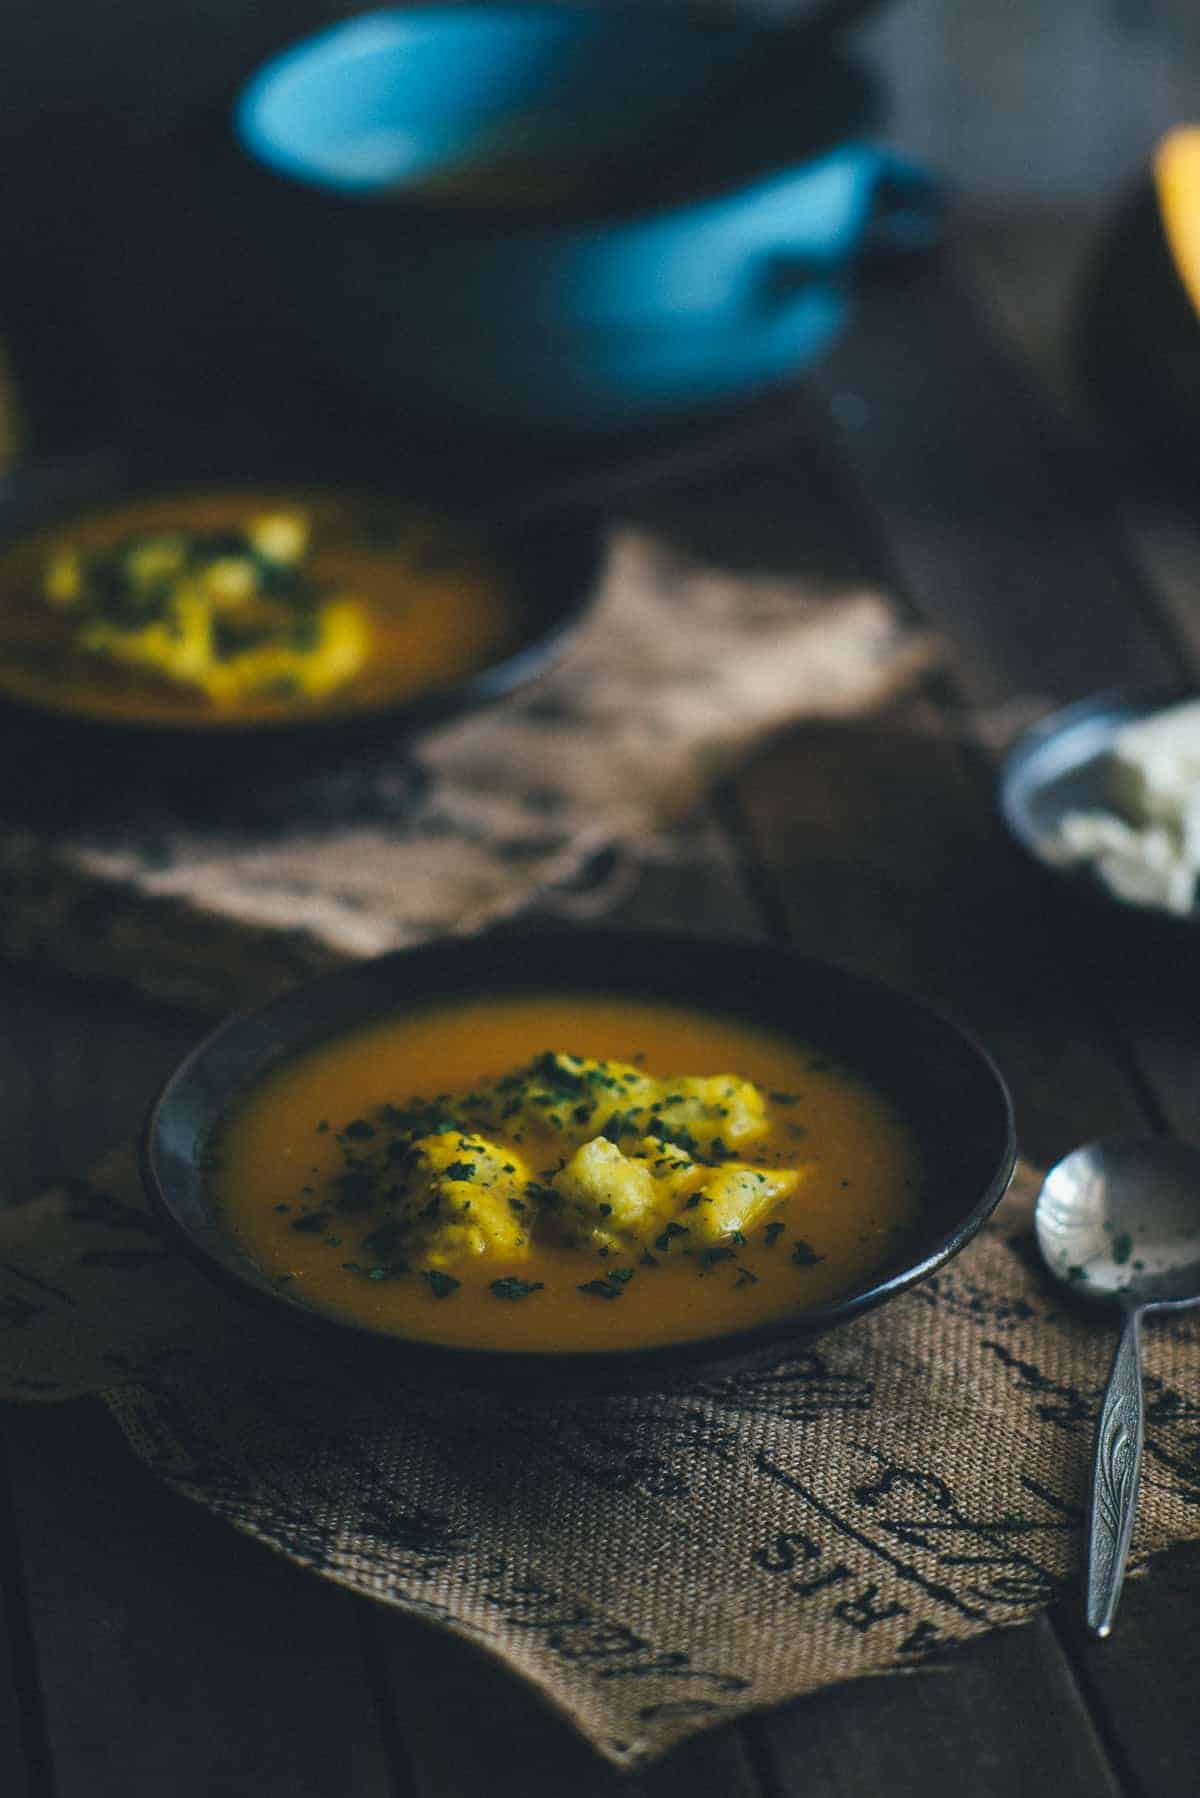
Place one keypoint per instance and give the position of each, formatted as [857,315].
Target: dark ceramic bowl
[551,568]
[944,1084]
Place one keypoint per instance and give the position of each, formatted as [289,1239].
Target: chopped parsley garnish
[459,1170]
[745,1278]
[380,1243]
[773,1232]
[669,1234]
[783,1098]
[359,1130]
[312,1223]
[722,1252]
[675,1133]
[804,1255]
[611,1287]
[622,1123]
[512,1288]
[441,1285]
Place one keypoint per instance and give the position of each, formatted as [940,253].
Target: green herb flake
[601,1289]
[1122,1248]
[359,1130]
[459,1170]
[312,1223]
[784,1098]
[773,1232]
[804,1255]
[722,1252]
[380,1243]
[512,1288]
[441,1285]
[664,1241]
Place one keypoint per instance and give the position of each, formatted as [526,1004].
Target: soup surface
[565,1173]
[406,601]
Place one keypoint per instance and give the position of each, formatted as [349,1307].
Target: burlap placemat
[680,666]
[654,1565]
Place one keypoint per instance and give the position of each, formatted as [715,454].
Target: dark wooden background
[145,1649]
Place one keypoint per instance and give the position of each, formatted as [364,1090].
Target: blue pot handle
[819,223]
[907,207]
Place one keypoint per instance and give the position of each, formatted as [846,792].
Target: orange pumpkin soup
[565,1173]
[240,606]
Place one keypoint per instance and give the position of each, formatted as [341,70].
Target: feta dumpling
[571,1096]
[608,1198]
[736,1197]
[230,612]
[676,1175]
[619,1201]
[709,1109]
[463,1197]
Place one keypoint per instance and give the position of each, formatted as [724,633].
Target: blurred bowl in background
[567,218]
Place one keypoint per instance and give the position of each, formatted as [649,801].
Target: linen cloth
[683,662]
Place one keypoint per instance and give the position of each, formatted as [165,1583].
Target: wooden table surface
[147,1650]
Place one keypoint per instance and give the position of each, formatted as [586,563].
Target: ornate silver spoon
[1119,1221]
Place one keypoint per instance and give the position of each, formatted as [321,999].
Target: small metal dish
[943,1083]
[1059,766]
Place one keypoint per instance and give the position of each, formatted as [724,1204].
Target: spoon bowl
[1119,1221]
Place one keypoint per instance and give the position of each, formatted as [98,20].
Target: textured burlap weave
[654,1565]
[680,666]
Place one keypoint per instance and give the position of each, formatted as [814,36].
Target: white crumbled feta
[1147,851]
[1154,765]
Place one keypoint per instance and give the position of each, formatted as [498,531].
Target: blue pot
[395,132]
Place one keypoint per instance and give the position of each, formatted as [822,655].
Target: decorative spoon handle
[1115,1471]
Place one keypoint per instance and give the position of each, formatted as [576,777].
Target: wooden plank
[877,849]
[79,1065]
[23,1768]
[1142,1680]
[881,852]
[175,1656]
[1139,1686]
[993,1726]
[171,1653]
[470,1727]
[998,521]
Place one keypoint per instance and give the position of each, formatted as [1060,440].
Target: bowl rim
[559,1369]
[44,498]
[294,172]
